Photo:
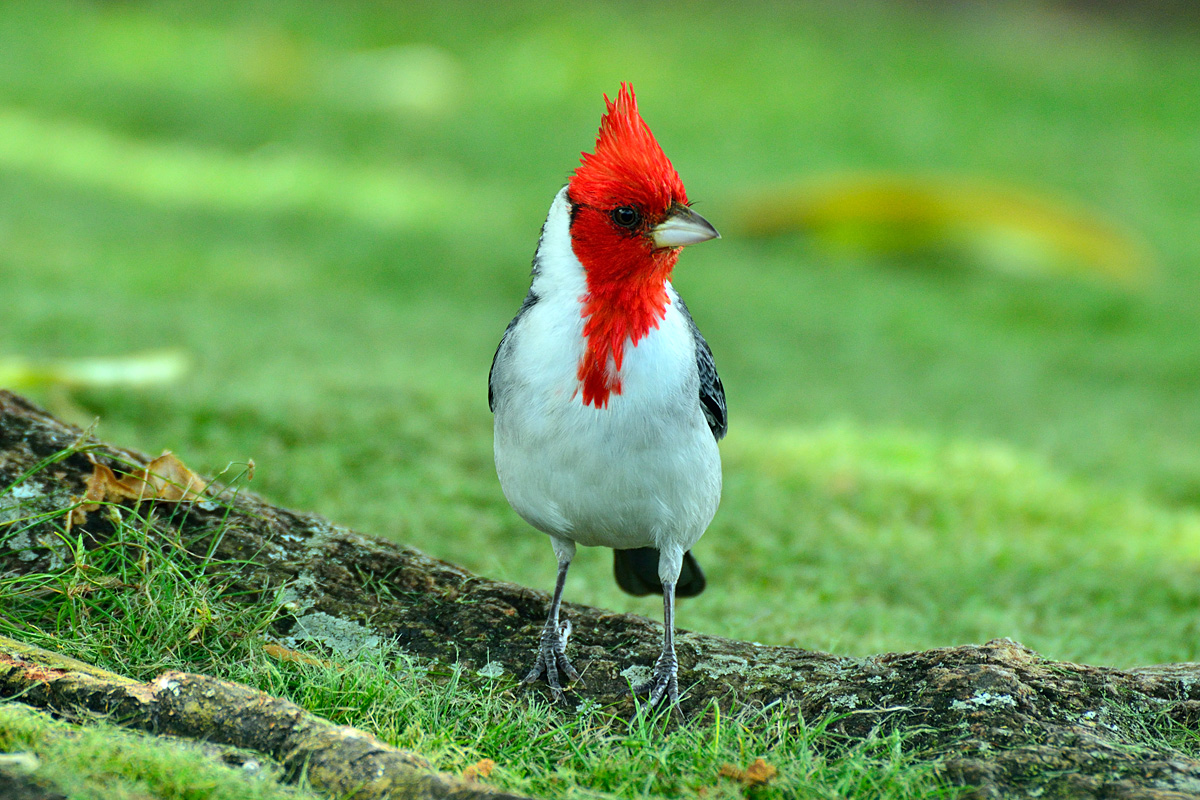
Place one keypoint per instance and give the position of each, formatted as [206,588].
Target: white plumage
[642,472]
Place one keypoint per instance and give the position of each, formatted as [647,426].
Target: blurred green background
[935,436]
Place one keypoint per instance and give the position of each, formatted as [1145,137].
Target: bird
[606,400]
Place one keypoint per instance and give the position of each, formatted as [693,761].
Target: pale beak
[681,228]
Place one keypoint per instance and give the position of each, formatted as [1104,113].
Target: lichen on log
[1000,717]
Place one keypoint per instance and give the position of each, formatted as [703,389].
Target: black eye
[626,216]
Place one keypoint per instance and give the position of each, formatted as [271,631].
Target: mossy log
[1001,717]
[337,759]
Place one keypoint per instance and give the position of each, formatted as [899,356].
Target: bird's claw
[552,659]
[664,681]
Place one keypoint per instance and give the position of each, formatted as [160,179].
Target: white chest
[642,471]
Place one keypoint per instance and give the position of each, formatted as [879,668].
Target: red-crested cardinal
[607,403]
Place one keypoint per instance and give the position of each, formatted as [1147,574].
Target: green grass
[556,756]
[551,752]
[104,761]
[336,233]
[138,605]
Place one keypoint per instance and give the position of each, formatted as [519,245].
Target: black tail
[636,572]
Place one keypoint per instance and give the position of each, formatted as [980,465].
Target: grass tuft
[135,603]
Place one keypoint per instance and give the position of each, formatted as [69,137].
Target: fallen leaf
[480,769]
[281,653]
[171,480]
[165,478]
[757,774]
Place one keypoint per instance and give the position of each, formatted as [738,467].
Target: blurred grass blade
[975,222]
[142,369]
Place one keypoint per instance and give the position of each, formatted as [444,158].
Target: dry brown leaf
[757,774]
[102,484]
[730,771]
[281,653]
[169,479]
[165,478]
[480,769]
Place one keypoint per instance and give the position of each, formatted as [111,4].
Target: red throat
[617,312]
[626,276]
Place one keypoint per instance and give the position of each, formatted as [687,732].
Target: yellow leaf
[999,226]
[281,653]
[757,774]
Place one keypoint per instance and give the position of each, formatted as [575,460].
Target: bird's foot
[664,681]
[552,659]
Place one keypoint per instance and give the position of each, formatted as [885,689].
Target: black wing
[526,304]
[712,393]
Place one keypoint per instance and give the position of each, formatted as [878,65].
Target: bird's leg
[552,648]
[664,681]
